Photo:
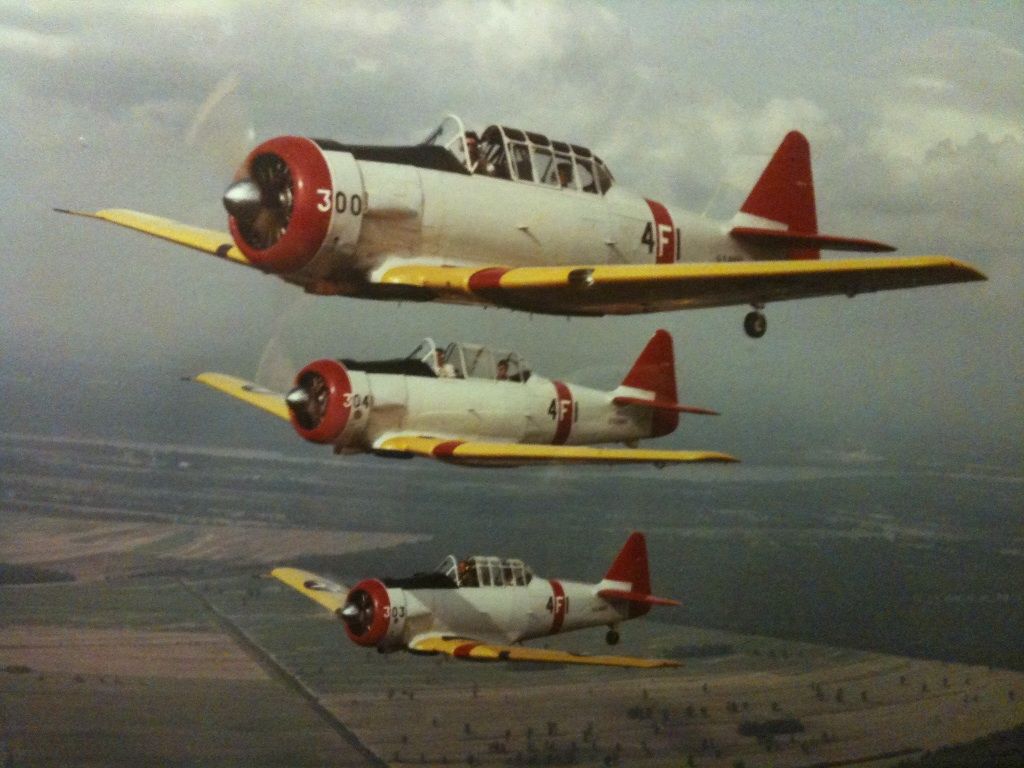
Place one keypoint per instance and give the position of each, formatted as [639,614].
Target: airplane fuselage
[407,214]
[497,614]
[539,410]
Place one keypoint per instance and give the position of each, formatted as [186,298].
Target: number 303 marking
[340,202]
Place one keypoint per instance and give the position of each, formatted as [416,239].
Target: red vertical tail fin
[785,192]
[632,578]
[655,371]
[631,565]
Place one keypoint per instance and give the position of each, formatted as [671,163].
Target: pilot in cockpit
[444,369]
[467,573]
[565,175]
[476,163]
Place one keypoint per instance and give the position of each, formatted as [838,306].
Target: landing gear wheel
[755,324]
[612,638]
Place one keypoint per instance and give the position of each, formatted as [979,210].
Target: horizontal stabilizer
[635,597]
[663,405]
[782,238]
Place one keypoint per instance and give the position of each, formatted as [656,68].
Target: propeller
[222,130]
[308,400]
[262,203]
[358,612]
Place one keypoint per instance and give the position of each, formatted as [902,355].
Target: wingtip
[976,275]
[723,458]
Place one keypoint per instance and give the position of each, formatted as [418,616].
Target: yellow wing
[327,593]
[205,240]
[465,648]
[512,454]
[253,394]
[629,289]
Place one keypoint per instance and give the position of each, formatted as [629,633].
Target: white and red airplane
[482,608]
[475,406]
[515,220]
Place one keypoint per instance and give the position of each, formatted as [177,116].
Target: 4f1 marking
[664,238]
[558,604]
[558,409]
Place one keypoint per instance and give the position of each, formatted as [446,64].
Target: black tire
[755,324]
[612,638]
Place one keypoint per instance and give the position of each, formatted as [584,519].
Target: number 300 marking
[341,202]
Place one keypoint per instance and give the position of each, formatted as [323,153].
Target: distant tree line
[1003,749]
[11,573]
[708,650]
[766,728]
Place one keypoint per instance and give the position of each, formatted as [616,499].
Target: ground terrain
[136,629]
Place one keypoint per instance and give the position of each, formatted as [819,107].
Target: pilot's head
[565,174]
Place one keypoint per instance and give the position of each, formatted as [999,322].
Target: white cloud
[35,44]
[922,147]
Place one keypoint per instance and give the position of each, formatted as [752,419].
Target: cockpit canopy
[461,360]
[510,153]
[486,571]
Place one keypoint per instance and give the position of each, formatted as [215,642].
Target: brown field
[139,672]
[91,549]
[643,719]
[186,655]
[100,697]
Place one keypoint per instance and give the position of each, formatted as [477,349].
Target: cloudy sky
[915,114]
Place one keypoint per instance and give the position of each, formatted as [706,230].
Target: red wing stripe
[463,651]
[447,449]
[664,233]
[558,606]
[486,279]
[563,413]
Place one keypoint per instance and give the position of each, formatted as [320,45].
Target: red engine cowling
[374,615]
[294,205]
[328,405]
[274,209]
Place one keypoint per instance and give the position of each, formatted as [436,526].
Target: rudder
[631,565]
[655,371]
[785,192]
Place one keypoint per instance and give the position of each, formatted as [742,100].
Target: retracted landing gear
[612,638]
[755,324]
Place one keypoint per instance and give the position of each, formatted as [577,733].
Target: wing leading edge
[631,289]
[598,290]
[206,240]
[481,453]
[465,648]
[247,392]
[327,593]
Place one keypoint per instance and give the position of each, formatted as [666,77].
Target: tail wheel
[755,324]
[612,638]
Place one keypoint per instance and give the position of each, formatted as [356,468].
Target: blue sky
[914,113]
